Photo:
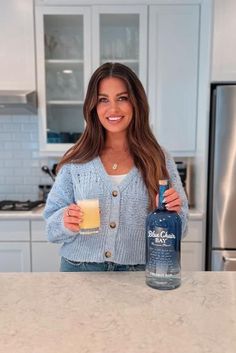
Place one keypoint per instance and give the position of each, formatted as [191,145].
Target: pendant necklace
[115,166]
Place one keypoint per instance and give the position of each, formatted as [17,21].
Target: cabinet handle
[229,263]
[228,259]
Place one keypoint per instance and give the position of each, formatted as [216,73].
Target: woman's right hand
[72,217]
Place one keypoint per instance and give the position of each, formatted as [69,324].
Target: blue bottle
[163,239]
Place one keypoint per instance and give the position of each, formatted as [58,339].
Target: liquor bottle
[163,238]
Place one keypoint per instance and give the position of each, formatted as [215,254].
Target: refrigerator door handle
[229,263]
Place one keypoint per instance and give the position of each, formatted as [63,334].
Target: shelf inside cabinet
[66,102]
[64,61]
[122,61]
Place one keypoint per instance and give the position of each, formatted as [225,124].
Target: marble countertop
[116,312]
[37,214]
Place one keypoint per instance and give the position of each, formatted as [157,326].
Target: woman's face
[114,109]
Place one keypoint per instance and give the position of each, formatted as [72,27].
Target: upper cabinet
[120,35]
[71,43]
[17,54]
[166,44]
[64,67]
[173,75]
[224,41]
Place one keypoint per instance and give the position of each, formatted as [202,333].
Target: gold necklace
[115,165]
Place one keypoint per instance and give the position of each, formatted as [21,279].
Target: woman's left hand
[172,200]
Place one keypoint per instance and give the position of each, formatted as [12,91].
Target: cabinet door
[63,63]
[195,232]
[38,231]
[120,35]
[173,75]
[224,41]
[45,257]
[14,257]
[191,256]
[14,230]
[17,57]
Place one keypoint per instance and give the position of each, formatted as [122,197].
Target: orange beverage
[91,216]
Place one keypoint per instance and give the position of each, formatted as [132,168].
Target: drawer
[192,257]
[45,257]
[195,231]
[18,230]
[38,232]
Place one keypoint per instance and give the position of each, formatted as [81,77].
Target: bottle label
[163,257]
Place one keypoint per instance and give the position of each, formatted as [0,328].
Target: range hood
[18,102]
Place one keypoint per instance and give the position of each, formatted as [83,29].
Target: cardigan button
[112,225]
[108,254]
[114,193]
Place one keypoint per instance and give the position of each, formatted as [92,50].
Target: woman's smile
[114,119]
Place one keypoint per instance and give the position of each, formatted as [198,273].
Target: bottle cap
[163,182]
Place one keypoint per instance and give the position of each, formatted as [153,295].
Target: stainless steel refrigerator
[221,207]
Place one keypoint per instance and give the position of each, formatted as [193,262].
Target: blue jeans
[73,266]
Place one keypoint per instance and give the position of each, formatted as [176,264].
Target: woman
[118,161]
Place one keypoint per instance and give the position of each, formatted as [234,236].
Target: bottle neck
[161,204]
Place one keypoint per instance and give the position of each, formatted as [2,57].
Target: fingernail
[164,200]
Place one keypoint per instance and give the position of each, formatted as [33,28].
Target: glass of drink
[91,216]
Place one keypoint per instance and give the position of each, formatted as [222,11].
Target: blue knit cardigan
[127,211]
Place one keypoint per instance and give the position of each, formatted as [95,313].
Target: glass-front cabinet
[71,43]
[121,37]
[64,64]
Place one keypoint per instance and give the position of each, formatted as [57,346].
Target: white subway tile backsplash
[22,154]
[10,127]
[15,180]
[31,180]
[12,163]
[20,161]
[2,180]
[12,145]
[7,136]
[29,145]
[7,171]
[5,154]
[23,136]
[27,127]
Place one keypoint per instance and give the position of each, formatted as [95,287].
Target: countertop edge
[37,214]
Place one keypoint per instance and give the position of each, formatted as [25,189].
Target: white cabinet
[45,255]
[14,246]
[171,57]
[224,41]
[24,247]
[192,247]
[63,66]
[120,34]
[14,257]
[17,57]
[191,256]
[71,43]
[173,74]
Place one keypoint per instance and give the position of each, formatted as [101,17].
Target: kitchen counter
[37,213]
[116,312]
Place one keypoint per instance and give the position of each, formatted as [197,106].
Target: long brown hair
[145,150]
